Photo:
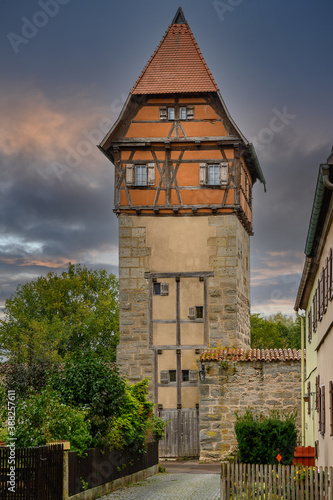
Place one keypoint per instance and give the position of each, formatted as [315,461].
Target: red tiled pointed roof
[177,65]
[232,354]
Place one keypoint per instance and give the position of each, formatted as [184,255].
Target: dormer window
[171,113]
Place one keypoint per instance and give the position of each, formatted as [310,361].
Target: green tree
[277,331]
[54,315]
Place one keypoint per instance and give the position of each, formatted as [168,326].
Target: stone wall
[233,386]
[229,289]
[134,357]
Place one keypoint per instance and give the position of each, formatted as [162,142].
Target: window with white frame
[182,113]
[140,175]
[171,113]
[213,175]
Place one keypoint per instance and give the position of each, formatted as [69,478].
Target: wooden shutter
[326,284]
[164,288]
[191,312]
[129,174]
[314,313]
[190,112]
[310,325]
[317,392]
[193,377]
[203,174]
[331,405]
[164,377]
[151,174]
[319,298]
[163,113]
[330,276]
[323,416]
[309,396]
[224,174]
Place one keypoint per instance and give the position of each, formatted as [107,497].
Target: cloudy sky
[66,69]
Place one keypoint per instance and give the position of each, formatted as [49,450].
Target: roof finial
[179,17]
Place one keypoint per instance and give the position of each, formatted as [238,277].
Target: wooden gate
[181,433]
[37,473]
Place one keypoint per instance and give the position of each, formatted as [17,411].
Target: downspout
[325,170]
[302,378]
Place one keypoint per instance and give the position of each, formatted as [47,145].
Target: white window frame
[135,179]
[183,113]
[171,113]
[221,174]
[213,175]
[140,175]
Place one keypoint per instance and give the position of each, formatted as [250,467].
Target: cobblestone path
[171,487]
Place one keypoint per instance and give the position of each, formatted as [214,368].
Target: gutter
[257,164]
[317,204]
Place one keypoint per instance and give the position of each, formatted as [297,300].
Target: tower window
[182,113]
[172,375]
[171,113]
[140,175]
[161,288]
[185,375]
[195,312]
[213,175]
[199,312]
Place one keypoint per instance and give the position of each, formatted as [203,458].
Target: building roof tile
[233,354]
[176,66]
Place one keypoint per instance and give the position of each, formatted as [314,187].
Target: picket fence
[279,482]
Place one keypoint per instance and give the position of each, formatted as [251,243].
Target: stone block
[141,252]
[136,272]
[213,241]
[125,232]
[124,252]
[123,272]
[125,221]
[138,232]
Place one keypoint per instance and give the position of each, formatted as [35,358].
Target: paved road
[165,486]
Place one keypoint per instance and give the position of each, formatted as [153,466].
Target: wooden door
[181,433]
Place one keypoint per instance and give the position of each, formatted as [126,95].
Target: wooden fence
[281,482]
[103,466]
[31,473]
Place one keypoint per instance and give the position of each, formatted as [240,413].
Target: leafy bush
[260,439]
[94,385]
[42,418]
[136,424]
[119,413]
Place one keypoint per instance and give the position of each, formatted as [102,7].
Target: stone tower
[183,197]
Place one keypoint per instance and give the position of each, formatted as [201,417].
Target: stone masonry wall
[233,386]
[133,354]
[229,289]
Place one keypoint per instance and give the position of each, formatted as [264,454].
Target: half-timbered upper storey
[175,148]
